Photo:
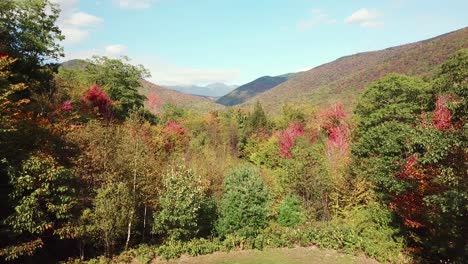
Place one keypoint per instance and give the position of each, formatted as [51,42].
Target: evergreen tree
[244,208]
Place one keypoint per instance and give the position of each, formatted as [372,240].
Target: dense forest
[89,172]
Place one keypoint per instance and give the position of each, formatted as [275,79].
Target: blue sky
[236,41]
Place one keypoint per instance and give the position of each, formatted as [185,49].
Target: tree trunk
[144,224]
[81,245]
[326,211]
[129,229]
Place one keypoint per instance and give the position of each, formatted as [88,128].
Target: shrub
[144,253]
[290,212]
[245,203]
[362,229]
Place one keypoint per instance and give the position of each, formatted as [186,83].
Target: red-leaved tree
[96,97]
[442,115]
[338,139]
[175,128]
[335,126]
[66,106]
[409,205]
[333,117]
[287,138]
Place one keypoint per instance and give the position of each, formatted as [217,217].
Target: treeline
[86,171]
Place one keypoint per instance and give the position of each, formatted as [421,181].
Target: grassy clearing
[273,256]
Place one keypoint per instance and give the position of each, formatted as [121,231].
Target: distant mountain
[211,90]
[251,89]
[345,78]
[165,95]
[74,63]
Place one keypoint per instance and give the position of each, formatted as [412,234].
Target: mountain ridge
[165,95]
[257,86]
[344,78]
[216,89]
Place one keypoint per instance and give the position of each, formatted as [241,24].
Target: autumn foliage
[154,101]
[66,106]
[96,97]
[442,115]
[175,128]
[409,206]
[287,138]
[335,126]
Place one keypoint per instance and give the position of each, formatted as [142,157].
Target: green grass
[273,256]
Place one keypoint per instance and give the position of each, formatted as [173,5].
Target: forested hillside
[96,169]
[249,90]
[345,78]
[158,96]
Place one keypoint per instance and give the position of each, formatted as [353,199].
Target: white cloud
[82,19]
[82,54]
[318,17]
[66,5]
[115,50]
[365,17]
[76,25]
[170,74]
[74,34]
[135,4]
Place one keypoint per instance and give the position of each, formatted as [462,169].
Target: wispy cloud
[76,25]
[82,19]
[115,50]
[166,73]
[318,17]
[135,4]
[366,18]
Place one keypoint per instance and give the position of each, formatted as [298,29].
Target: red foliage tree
[410,206]
[338,139]
[175,128]
[96,97]
[333,122]
[175,136]
[154,102]
[333,116]
[442,115]
[287,138]
[66,106]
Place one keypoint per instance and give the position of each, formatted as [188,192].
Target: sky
[198,42]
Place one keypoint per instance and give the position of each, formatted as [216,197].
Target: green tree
[43,199]
[305,176]
[386,113]
[120,79]
[244,207]
[258,118]
[30,34]
[182,202]
[394,98]
[112,212]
